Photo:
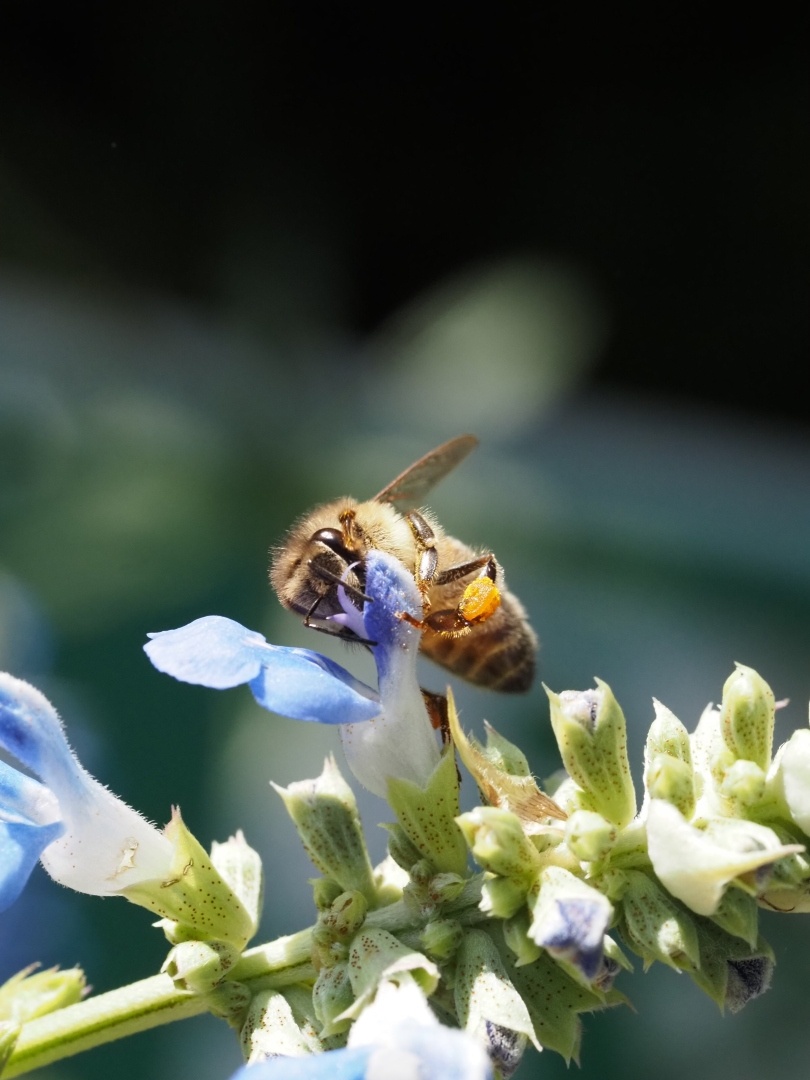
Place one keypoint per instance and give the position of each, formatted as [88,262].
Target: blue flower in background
[385,732]
[397,1035]
[85,837]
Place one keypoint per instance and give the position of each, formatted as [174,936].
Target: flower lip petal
[298,683]
[212,651]
[305,686]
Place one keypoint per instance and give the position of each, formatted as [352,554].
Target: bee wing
[411,486]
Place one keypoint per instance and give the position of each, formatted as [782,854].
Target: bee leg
[479,601]
[436,705]
[485,563]
[427,563]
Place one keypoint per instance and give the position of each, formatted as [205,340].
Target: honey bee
[471,624]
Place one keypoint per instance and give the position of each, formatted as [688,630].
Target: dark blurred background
[256,256]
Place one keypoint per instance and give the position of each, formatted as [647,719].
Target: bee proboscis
[471,623]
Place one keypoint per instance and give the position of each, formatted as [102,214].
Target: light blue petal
[347,1064]
[20,848]
[212,651]
[298,683]
[32,732]
[306,686]
[22,837]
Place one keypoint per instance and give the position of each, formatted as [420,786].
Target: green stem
[125,1011]
[156,1000]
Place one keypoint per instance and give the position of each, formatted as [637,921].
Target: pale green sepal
[324,892]
[655,926]
[376,956]
[400,848]
[9,1033]
[331,996]
[337,926]
[738,914]
[346,915]
[441,938]
[505,754]
[516,936]
[230,1002]
[615,956]
[554,1001]
[32,993]
[427,815]
[744,783]
[499,844]
[241,867]
[788,889]
[789,778]
[696,866]
[199,966]
[747,716]
[589,836]
[483,992]
[196,902]
[324,811]
[270,1029]
[667,735]
[668,770]
[427,892]
[592,738]
[501,897]
[731,972]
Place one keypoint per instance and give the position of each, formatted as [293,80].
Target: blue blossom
[85,837]
[385,732]
[396,1035]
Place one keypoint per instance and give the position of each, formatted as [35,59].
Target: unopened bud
[592,738]
[589,836]
[31,993]
[441,938]
[332,995]
[199,966]
[657,928]
[747,716]
[325,814]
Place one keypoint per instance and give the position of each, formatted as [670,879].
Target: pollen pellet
[480,600]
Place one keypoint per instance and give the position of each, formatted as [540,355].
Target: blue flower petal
[393,590]
[298,683]
[31,731]
[212,651]
[22,838]
[575,932]
[306,686]
[347,1064]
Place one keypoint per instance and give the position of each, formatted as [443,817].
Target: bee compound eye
[333,539]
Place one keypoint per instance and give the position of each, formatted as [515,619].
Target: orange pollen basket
[480,600]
